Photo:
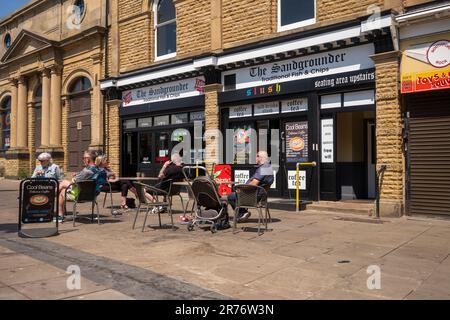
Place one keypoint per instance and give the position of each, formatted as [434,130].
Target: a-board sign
[38,204]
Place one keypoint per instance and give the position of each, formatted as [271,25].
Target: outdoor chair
[189,173]
[252,197]
[108,189]
[156,193]
[86,193]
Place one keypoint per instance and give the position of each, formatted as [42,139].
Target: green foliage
[23,174]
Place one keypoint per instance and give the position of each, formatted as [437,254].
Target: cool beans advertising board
[38,201]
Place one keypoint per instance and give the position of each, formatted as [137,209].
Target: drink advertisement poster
[222,175]
[297,142]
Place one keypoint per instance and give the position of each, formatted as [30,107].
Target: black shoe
[243,217]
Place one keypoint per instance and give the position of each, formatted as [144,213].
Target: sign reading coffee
[297,142]
[38,201]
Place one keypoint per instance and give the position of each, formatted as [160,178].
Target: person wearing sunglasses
[46,168]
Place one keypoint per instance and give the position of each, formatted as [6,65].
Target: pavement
[309,255]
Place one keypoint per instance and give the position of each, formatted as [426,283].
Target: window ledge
[296,25]
[166,56]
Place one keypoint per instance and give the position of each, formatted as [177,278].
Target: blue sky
[8,6]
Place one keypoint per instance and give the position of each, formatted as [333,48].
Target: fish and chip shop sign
[168,91]
[311,66]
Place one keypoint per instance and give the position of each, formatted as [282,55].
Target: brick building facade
[202,52]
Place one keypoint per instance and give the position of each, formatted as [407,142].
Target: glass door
[130,154]
[162,147]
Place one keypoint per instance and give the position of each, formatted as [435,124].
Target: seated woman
[47,169]
[116,184]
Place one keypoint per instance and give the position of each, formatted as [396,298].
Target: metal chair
[189,173]
[86,193]
[156,193]
[250,196]
[108,189]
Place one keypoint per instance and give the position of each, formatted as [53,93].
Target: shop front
[314,108]
[425,87]
[157,119]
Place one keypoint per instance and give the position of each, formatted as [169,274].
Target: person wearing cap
[47,169]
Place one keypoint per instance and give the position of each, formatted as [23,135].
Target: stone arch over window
[5,118]
[74,76]
[165,29]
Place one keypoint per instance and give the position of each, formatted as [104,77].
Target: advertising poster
[327,141]
[297,142]
[38,201]
[222,175]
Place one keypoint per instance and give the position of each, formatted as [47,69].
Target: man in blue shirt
[263,177]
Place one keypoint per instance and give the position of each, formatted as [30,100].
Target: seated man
[171,170]
[263,177]
[87,173]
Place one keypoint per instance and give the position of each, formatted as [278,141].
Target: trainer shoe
[244,217]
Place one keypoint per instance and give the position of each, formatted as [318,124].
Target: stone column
[55,108]
[45,127]
[113,134]
[389,133]
[97,106]
[13,142]
[212,122]
[22,117]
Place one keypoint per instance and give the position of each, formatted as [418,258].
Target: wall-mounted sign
[292,180]
[296,134]
[327,141]
[241,176]
[294,105]
[315,65]
[266,108]
[162,121]
[145,122]
[163,92]
[425,66]
[241,111]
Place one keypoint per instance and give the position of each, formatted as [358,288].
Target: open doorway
[356,155]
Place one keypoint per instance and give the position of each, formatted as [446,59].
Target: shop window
[145,148]
[8,41]
[166,29]
[145,122]
[162,121]
[5,109]
[129,124]
[243,149]
[230,82]
[180,118]
[296,13]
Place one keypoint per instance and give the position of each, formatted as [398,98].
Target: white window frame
[155,12]
[296,24]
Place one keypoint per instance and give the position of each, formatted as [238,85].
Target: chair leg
[98,212]
[159,218]
[74,215]
[267,218]
[235,219]
[112,204]
[137,212]
[259,221]
[171,217]
[104,200]
[182,204]
[92,211]
[145,219]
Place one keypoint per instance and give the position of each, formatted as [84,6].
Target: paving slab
[8,293]
[108,294]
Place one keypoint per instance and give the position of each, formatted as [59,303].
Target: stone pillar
[13,142]
[212,121]
[22,116]
[97,106]
[216,25]
[31,135]
[113,134]
[114,39]
[389,133]
[45,128]
[55,108]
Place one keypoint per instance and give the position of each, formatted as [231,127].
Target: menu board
[296,134]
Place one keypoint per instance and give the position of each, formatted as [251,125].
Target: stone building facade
[49,51]
[207,47]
